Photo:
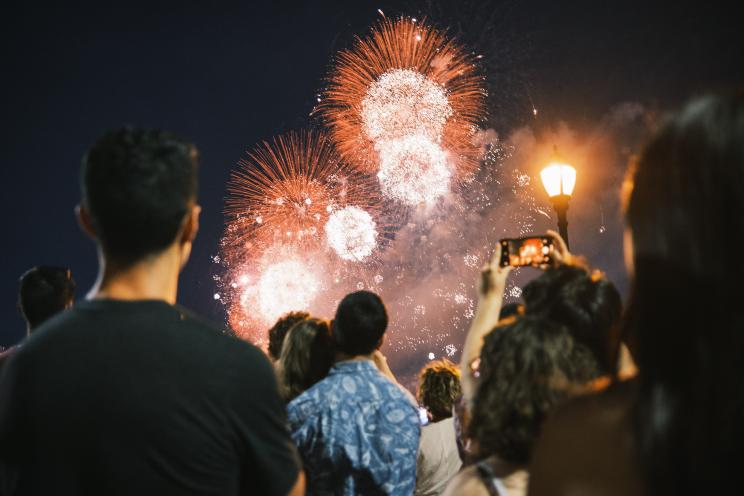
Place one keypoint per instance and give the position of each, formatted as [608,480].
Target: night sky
[226,75]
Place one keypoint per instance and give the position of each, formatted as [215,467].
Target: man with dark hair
[128,393]
[356,430]
[279,330]
[44,292]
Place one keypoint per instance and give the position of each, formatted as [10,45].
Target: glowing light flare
[413,171]
[351,233]
[558,179]
[403,102]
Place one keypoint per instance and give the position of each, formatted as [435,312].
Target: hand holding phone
[532,251]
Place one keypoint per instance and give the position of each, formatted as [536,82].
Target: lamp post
[559,179]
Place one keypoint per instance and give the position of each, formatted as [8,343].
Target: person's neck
[502,468]
[152,278]
[343,357]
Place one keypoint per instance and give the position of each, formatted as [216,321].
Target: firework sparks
[403,102]
[352,233]
[404,78]
[413,171]
[277,284]
[284,286]
[285,191]
[279,209]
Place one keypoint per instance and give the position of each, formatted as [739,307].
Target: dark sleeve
[271,465]
[11,408]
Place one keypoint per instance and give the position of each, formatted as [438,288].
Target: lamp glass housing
[558,179]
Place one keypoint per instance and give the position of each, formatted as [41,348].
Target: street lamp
[559,179]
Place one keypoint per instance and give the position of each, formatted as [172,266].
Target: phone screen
[519,252]
[423,416]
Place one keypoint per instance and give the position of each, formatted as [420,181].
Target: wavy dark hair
[439,388]
[307,356]
[586,303]
[684,211]
[527,367]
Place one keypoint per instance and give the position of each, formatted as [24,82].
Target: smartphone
[423,416]
[519,252]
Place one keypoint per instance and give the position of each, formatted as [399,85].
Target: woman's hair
[586,303]
[684,211]
[306,358]
[439,388]
[526,367]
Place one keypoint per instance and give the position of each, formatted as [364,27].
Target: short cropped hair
[138,186]
[360,323]
[439,388]
[279,330]
[45,291]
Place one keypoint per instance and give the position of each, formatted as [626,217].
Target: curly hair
[586,303]
[279,330]
[439,388]
[527,366]
[307,356]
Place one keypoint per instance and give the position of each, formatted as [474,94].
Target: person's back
[438,456]
[356,430]
[127,393]
[588,448]
[139,397]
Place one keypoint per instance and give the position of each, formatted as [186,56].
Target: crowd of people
[126,392]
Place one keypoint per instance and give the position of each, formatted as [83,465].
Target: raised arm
[491,285]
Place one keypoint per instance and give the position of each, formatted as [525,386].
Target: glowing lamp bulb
[558,179]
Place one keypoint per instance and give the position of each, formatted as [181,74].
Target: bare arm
[490,297]
[299,487]
[380,361]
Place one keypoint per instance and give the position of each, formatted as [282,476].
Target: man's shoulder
[316,397]
[339,391]
[239,353]
[78,326]
[217,334]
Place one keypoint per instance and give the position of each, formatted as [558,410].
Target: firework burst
[405,78]
[265,288]
[286,190]
[413,171]
[351,233]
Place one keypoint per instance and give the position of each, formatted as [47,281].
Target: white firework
[413,170]
[352,233]
[402,103]
[283,287]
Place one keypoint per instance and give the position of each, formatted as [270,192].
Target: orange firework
[404,79]
[284,193]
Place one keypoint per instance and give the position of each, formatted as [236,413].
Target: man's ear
[85,222]
[382,341]
[191,225]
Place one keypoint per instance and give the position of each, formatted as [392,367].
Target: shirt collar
[353,367]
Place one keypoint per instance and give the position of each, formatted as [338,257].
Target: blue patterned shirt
[357,433]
